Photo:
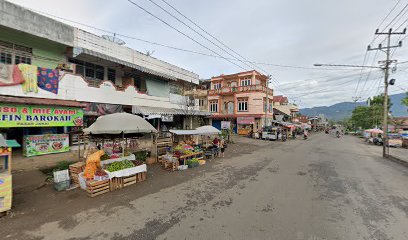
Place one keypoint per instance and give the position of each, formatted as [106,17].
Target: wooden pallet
[127,181]
[140,177]
[74,171]
[95,188]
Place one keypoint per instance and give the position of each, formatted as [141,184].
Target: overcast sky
[295,33]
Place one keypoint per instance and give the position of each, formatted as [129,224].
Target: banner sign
[225,124]
[35,145]
[167,118]
[39,116]
[245,120]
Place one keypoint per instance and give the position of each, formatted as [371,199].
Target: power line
[209,34]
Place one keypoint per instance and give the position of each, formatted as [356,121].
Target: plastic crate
[61,186]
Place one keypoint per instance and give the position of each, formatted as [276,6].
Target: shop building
[243,99]
[94,75]
[283,110]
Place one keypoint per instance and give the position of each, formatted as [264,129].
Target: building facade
[243,99]
[283,110]
[90,74]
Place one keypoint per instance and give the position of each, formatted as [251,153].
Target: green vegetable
[120,165]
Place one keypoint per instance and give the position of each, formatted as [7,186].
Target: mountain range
[340,111]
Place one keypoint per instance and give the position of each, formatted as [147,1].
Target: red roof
[41,101]
[280,99]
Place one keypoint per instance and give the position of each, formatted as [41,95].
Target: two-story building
[76,72]
[243,98]
[283,110]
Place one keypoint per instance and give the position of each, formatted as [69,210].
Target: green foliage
[63,165]
[404,101]
[116,166]
[366,117]
[142,155]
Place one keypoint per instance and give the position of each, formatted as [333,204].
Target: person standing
[222,146]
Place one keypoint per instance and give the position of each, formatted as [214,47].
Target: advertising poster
[12,115]
[35,145]
[225,124]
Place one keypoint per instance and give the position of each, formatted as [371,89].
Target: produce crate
[127,181]
[95,188]
[116,183]
[74,171]
[140,177]
[171,166]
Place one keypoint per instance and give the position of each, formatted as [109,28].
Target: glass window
[243,105]
[217,85]
[111,74]
[213,106]
[246,82]
[5,58]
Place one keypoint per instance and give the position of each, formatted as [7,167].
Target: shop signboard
[167,118]
[245,120]
[225,124]
[35,145]
[13,115]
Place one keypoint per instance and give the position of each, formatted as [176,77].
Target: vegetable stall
[189,148]
[112,166]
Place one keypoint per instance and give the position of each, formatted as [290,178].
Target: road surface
[322,188]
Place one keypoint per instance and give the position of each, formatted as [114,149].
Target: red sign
[245,120]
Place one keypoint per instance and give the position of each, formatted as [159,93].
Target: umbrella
[120,123]
[207,130]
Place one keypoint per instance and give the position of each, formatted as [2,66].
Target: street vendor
[93,163]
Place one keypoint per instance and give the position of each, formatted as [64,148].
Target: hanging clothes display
[10,75]
[48,79]
[30,77]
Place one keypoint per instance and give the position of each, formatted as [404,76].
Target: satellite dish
[114,39]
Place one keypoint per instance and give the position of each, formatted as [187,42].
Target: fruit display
[137,162]
[193,163]
[187,152]
[105,157]
[120,165]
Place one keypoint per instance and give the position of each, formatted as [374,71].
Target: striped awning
[146,111]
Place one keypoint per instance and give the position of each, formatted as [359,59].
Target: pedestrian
[293,134]
[222,146]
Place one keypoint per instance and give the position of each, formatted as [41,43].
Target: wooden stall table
[198,155]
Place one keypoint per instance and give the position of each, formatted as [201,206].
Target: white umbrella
[120,123]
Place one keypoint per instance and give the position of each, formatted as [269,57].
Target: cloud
[273,31]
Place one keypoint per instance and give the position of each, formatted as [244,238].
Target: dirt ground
[35,202]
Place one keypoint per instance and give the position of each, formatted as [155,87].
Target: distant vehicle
[270,133]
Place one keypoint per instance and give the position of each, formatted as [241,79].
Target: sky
[271,33]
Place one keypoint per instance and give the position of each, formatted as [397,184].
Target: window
[270,106]
[243,105]
[264,105]
[246,82]
[216,85]
[88,70]
[214,106]
[14,54]
[111,74]
[201,102]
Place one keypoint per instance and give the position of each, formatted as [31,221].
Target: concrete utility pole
[386,68]
[267,101]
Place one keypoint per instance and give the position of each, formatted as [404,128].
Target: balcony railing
[241,89]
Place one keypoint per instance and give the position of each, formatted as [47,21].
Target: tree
[369,116]
[404,101]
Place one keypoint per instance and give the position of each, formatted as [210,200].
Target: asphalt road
[322,188]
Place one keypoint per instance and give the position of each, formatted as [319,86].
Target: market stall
[189,148]
[113,166]
[6,190]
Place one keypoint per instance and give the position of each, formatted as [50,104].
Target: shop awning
[184,132]
[79,51]
[41,101]
[208,130]
[155,111]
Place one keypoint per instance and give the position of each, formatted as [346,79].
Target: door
[230,108]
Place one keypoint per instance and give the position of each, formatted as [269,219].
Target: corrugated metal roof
[79,51]
[166,111]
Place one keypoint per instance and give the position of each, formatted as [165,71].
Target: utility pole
[267,101]
[386,68]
